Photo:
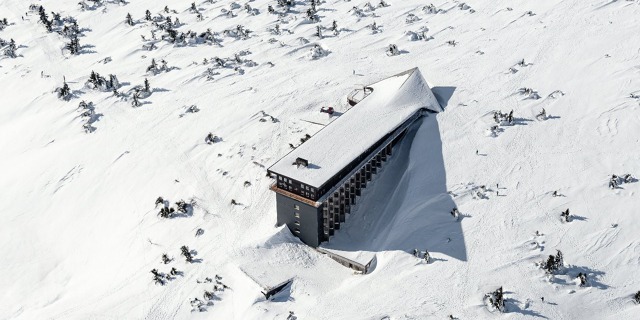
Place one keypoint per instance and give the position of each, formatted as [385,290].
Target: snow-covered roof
[392,102]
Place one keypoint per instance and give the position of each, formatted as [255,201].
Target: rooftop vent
[300,161]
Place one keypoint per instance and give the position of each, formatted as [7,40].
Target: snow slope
[80,233]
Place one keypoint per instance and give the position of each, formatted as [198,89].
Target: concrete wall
[347,262]
[309,221]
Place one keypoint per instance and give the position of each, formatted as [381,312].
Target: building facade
[318,184]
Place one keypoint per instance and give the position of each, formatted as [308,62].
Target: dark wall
[295,186]
[309,221]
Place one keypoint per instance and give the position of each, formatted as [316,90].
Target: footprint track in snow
[608,127]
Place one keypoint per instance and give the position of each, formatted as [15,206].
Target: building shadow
[407,205]
[443,94]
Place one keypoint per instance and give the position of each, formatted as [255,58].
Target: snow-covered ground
[80,233]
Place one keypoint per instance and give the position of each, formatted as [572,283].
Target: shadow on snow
[406,206]
[443,94]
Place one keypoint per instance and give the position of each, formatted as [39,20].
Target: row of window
[297,221]
[285,179]
[297,188]
[302,186]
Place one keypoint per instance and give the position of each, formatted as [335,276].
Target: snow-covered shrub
[166,212]
[135,101]
[129,20]
[318,32]
[553,264]
[566,217]
[185,207]
[100,83]
[88,112]
[368,7]
[492,131]
[357,12]
[312,16]
[239,32]
[542,115]
[317,52]
[64,92]
[495,300]
[556,94]
[392,50]
[529,93]
[431,9]
[411,18]
[208,37]
[186,253]
[616,180]
[192,109]
[158,277]
[3,23]
[503,119]
[211,138]
[375,28]
[9,48]
[582,278]
[420,34]
[73,46]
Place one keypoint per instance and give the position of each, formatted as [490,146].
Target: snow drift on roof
[393,101]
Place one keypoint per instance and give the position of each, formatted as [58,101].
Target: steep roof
[392,102]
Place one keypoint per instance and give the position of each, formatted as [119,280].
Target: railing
[292,195]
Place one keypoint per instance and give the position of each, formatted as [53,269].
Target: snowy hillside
[80,233]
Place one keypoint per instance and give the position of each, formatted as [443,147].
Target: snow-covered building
[318,182]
